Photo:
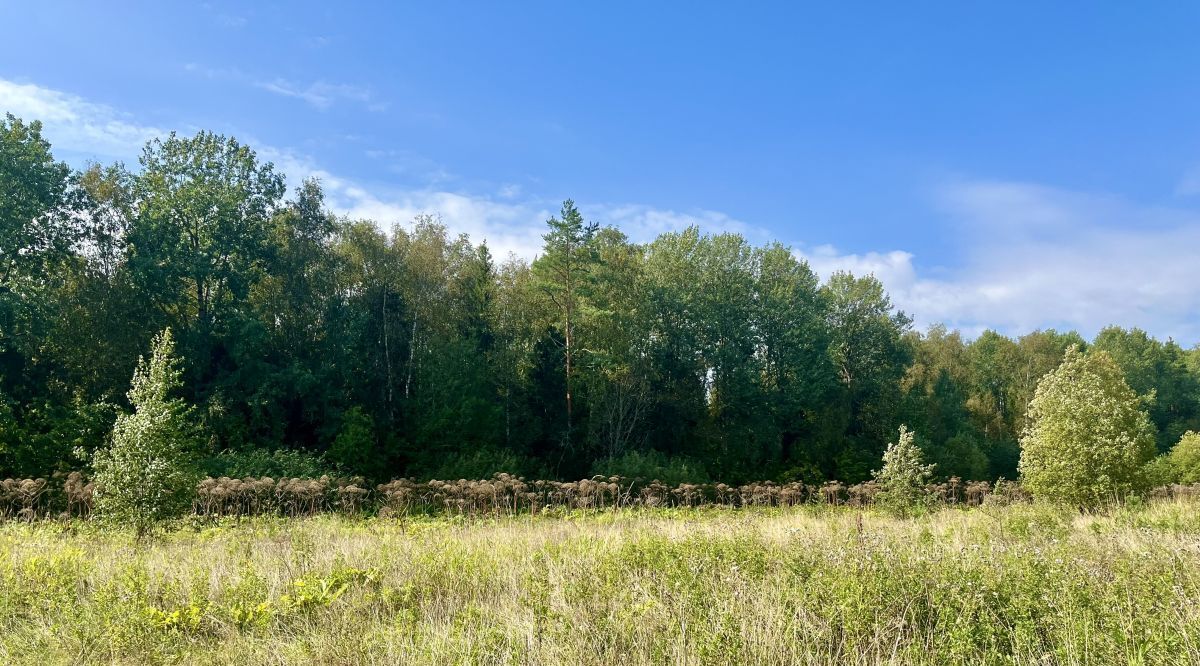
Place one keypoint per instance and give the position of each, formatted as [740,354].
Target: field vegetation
[813,584]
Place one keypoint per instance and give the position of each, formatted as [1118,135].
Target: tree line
[311,340]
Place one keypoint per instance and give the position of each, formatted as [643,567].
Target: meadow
[810,584]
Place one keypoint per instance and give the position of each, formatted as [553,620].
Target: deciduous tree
[1087,436]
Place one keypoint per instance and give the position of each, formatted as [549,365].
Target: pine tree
[149,473]
[563,271]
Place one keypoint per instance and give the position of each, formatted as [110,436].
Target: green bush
[1185,458]
[961,456]
[354,447]
[276,464]
[652,465]
[479,464]
[1160,472]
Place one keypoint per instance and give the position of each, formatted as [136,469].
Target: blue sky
[1008,165]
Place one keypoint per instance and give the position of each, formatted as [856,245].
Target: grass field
[822,585]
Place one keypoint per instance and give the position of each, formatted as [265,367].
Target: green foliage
[34,186]
[1185,458]
[904,474]
[652,466]
[200,231]
[149,472]
[10,432]
[1159,372]
[411,351]
[960,456]
[276,464]
[563,272]
[479,464]
[1023,584]
[1160,472]
[1087,437]
[355,448]
[869,354]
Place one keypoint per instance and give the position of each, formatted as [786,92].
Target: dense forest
[309,338]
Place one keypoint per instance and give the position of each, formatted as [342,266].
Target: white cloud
[643,223]
[232,21]
[74,124]
[892,268]
[214,72]
[1037,257]
[509,227]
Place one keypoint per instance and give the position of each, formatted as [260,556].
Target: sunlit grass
[1019,584]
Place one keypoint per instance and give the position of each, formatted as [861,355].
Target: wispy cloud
[233,21]
[218,73]
[318,94]
[1036,257]
[509,227]
[84,128]
[322,95]
[411,165]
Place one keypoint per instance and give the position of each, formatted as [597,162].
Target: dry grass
[817,585]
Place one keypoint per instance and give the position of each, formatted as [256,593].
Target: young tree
[150,472]
[1087,436]
[904,474]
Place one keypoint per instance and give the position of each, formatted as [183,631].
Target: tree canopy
[413,351]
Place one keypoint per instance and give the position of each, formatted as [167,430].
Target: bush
[961,456]
[1160,472]
[354,447]
[149,472]
[1087,437]
[652,466]
[904,475]
[478,464]
[276,464]
[1185,458]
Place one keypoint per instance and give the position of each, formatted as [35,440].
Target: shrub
[149,472]
[652,466]
[1160,472]
[1185,458]
[478,464]
[1087,437]
[904,475]
[961,456]
[276,464]
[354,446]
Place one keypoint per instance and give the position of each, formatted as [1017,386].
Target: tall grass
[1020,584]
